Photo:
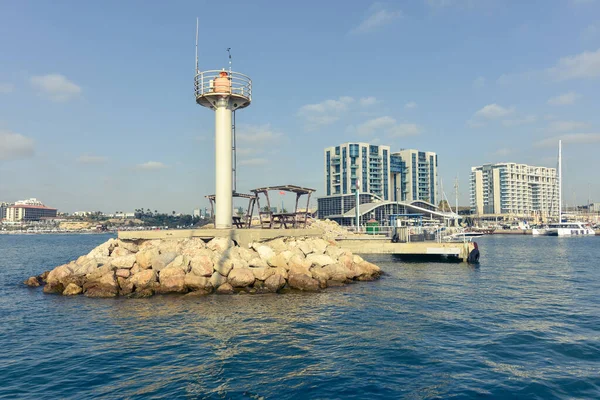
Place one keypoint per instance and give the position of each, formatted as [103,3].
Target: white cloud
[479,82]
[367,101]
[583,65]
[377,18]
[55,86]
[566,126]
[151,166]
[14,146]
[410,104]
[6,88]
[257,133]
[563,99]
[493,111]
[572,138]
[324,113]
[89,159]
[529,119]
[387,125]
[253,161]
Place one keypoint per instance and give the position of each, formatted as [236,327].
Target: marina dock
[361,244]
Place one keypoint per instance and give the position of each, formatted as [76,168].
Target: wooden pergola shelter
[239,222]
[296,219]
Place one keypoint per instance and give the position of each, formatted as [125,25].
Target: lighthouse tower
[224,92]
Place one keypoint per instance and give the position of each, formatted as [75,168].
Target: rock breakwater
[142,268]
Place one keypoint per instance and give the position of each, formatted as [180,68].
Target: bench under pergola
[244,221]
[296,219]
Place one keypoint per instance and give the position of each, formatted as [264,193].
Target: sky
[97,110]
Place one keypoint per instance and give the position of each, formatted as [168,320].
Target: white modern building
[514,190]
[407,175]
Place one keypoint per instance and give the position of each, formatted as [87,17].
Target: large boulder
[223,266]
[303,282]
[337,272]
[144,279]
[263,273]
[103,250]
[257,262]
[193,247]
[217,279]
[59,274]
[128,245]
[245,254]
[125,286]
[106,286]
[297,261]
[195,282]
[278,245]
[225,288]
[123,273]
[278,260]
[201,265]
[125,261]
[220,244]
[172,283]
[334,251]
[265,252]
[120,252]
[320,260]
[85,266]
[146,257]
[275,282]
[367,271]
[180,262]
[164,259]
[33,281]
[72,290]
[318,245]
[241,277]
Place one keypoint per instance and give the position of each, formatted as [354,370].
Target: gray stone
[129,245]
[220,244]
[217,279]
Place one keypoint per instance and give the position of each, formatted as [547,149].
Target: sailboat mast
[559,181]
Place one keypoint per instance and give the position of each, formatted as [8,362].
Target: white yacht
[570,229]
[575,228]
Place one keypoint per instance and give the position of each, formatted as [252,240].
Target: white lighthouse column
[223,165]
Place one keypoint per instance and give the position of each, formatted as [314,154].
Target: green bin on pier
[372,227]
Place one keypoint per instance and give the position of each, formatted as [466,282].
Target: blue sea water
[525,323]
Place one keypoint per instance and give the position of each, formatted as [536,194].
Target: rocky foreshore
[143,268]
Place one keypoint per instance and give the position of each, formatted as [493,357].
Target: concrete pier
[415,249]
[366,244]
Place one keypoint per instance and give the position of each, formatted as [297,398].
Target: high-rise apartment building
[514,189]
[407,175]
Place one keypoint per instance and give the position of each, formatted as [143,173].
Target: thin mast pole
[197,22]
[559,181]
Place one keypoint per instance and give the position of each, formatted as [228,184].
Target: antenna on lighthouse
[229,52]
[197,45]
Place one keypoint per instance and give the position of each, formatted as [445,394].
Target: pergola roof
[288,188]
[234,194]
